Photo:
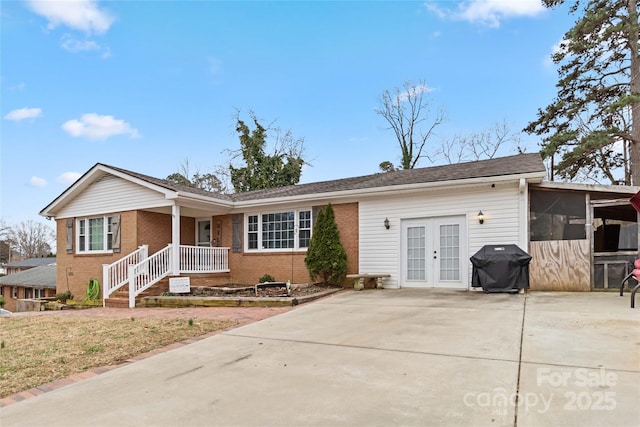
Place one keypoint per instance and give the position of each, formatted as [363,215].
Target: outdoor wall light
[480,217]
[386,223]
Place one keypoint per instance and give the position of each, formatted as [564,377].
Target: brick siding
[154,229]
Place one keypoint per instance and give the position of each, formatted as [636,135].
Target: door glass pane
[204,233]
[416,253]
[450,252]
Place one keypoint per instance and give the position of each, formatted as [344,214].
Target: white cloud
[19,86]
[416,90]
[548,61]
[95,126]
[488,12]
[68,177]
[82,15]
[73,45]
[36,181]
[23,113]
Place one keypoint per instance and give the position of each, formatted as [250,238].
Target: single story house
[25,264]
[420,226]
[36,282]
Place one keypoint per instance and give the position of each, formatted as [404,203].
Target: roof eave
[622,189]
[531,177]
[92,175]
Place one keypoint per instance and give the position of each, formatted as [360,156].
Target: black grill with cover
[500,268]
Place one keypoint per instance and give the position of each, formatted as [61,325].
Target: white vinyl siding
[112,194]
[380,248]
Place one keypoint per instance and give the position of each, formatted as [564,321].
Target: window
[28,293]
[38,293]
[14,292]
[95,234]
[278,230]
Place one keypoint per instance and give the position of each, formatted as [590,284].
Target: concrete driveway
[381,357]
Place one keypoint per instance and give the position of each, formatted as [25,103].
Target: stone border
[180,302]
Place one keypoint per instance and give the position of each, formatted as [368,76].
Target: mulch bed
[250,291]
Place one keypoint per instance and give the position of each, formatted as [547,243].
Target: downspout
[175,240]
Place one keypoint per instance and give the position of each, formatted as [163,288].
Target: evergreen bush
[326,258]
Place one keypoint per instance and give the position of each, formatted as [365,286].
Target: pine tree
[326,257]
[594,122]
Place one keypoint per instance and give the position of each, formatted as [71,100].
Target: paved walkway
[390,357]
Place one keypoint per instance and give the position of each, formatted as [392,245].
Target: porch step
[117,302]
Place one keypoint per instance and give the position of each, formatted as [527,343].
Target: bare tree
[407,111]
[204,181]
[479,145]
[5,242]
[32,239]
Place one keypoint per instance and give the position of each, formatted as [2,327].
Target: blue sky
[144,85]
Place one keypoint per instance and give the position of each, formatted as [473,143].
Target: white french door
[434,253]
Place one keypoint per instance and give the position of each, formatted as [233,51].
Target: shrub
[2,301]
[326,257]
[266,278]
[64,296]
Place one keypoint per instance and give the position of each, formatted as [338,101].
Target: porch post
[175,240]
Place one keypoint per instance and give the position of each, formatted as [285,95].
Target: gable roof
[170,185]
[529,166]
[33,262]
[38,277]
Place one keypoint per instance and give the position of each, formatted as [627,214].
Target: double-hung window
[278,230]
[95,234]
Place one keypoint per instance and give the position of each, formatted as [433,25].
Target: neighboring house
[420,226]
[36,282]
[18,266]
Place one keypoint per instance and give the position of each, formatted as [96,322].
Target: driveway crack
[515,410]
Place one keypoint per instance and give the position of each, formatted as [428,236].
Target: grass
[40,349]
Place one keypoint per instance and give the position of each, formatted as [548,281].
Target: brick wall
[247,268]
[154,229]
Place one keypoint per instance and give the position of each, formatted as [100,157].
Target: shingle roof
[38,277]
[33,262]
[518,164]
[512,165]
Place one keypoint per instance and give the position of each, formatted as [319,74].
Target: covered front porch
[194,250]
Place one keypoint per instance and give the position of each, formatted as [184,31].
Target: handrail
[148,272]
[116,275]
[203,259]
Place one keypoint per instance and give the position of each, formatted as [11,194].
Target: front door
[203,232]
[434,253]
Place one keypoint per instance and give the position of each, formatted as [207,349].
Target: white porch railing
[116,275]
[151,269]
[148,272]
[203,259]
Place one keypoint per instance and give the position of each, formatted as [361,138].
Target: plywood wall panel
[560,265]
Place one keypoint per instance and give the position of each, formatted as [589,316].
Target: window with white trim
[278,230]
[95,234]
